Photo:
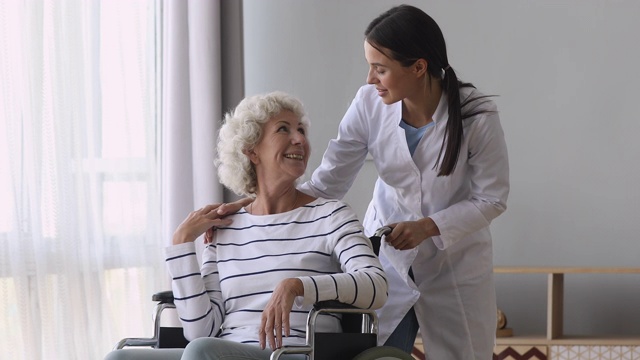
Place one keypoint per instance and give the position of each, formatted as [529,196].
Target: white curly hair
[241,132]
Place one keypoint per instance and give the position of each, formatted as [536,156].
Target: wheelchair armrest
[332,304]
[163,297]
[163,336]
[359,330]
[354,319]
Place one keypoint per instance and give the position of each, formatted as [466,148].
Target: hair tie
[444,70]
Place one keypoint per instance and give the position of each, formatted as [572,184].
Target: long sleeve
[196,290]
[362,282]
[343,159]
[314,243]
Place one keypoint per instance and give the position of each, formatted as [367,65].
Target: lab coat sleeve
[489,182]
[344,156]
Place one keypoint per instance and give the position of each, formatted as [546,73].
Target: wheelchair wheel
[383,353]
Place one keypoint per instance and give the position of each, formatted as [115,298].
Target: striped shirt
[321,243]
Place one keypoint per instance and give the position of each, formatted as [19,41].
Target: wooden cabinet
[555,344]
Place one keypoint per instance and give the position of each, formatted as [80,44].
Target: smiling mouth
[294,156]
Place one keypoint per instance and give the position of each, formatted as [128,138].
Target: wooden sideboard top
[564,270]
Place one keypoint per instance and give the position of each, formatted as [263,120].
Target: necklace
[295,202]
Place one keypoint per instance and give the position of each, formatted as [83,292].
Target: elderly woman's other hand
[197,223]
[275,317]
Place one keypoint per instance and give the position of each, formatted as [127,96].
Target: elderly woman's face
[283,151]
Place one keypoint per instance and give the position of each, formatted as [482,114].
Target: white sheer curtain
[108,117]
[192,108]
[80,218]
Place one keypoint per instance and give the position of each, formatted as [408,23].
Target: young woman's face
[393,81]
[283,150]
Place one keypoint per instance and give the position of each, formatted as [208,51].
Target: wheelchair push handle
[383,231]
[377,238]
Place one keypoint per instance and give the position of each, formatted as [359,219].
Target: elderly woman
[263,270]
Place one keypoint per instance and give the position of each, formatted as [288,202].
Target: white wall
[567,77]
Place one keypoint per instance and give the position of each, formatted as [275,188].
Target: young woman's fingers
[208,208]
[233,207]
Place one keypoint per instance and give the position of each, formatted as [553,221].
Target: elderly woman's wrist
[296,286]
[180,238]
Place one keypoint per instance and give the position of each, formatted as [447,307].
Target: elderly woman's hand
[197,223]
[222,210]
[275,317]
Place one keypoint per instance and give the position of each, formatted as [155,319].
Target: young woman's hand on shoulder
[223,210]
[197,223]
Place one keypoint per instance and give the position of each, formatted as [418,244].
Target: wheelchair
[357,341]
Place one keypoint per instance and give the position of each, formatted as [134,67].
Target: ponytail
[452,139]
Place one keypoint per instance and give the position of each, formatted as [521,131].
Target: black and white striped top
[321,243]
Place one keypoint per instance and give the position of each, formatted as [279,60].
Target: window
[80,177]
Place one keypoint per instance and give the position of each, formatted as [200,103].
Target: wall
[567,78]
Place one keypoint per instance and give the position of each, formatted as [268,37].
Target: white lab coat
[453,294]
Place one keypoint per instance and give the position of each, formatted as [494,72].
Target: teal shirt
[414,134]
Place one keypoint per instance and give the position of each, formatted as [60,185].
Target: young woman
[441,156]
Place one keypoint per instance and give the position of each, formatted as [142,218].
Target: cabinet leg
[555,303]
